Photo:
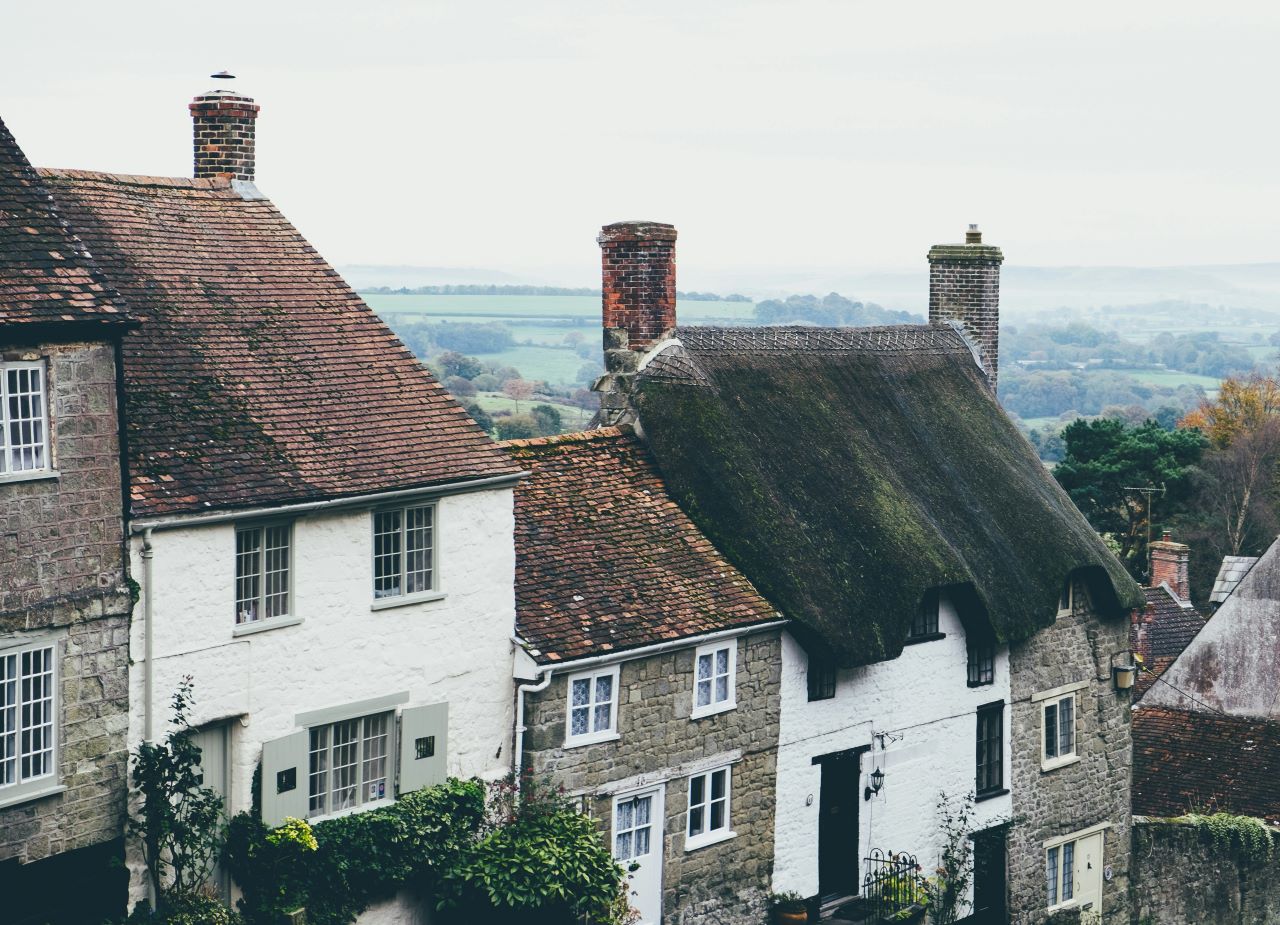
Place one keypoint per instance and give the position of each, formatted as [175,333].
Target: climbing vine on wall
[1249,836]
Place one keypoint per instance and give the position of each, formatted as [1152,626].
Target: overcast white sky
[788,133]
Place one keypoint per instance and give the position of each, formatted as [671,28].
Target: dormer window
[24,419]
[1066,598]
[924,626]
[982,662]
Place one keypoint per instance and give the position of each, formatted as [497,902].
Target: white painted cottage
[321,535]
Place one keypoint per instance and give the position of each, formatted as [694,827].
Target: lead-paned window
[28,701]
[982,663]
[263,560]
[925,623]
[713,681]
[821,678]
[24,418]
[349,763]
[708,807]
[1060,728]
[1060,873]
[990,757]
[593,706]
[404,551]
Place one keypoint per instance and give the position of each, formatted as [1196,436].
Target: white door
[1088,876]
[637,841]
[215,773]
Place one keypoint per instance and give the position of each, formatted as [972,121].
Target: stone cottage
[651,670]
[322,536]
[954,619]
[64,600]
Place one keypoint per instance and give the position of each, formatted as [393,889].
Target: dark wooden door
[838,825]
[989,887]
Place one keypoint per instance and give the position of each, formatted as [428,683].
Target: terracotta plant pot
[782,917]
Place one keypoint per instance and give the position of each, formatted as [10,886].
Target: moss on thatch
[847,483]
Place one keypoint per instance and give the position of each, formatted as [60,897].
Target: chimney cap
[223,75]
[636,231]
[973,235]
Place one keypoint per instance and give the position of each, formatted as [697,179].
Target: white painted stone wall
[457,649]
[922,701]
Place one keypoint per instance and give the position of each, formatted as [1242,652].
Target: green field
[1172,378]
[572,418]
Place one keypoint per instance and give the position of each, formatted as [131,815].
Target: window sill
[702,712]
[1052,764]
[980,683]
[705,841]
[991,794]
[351,810]
[593,739]
[35,475]
[404,600]
[27,796]
[927,637]
[261,626]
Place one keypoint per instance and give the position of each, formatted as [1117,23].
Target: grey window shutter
[285,785]
[424,740]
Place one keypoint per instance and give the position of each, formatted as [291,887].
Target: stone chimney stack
[638,287]
[224,133]
[1169,562]
[964,287]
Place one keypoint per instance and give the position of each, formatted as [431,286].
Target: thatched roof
[847,472]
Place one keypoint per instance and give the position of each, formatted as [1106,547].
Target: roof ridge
[599,435]
[70,173]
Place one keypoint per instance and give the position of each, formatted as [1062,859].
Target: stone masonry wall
[1180,878]
[62,576]
[1093,790]
[719,884]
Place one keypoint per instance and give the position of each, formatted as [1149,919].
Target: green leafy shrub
[1249,836]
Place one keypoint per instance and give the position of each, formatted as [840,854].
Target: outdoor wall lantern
[877,784]
[1124,671]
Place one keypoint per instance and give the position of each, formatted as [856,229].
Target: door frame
[659,821]
[853,755]
[220,878]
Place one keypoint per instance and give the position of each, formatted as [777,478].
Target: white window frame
[709,836]
[260,621]
[592,735]
[7,472]
[1054,698]
[363,801]
[432,593]
[1066,597]
[33,786]
[1056,844]
[714,706]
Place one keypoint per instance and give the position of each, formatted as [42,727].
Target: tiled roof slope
[258,376]
[45,273]
[847,472]
[1233,569]
[1186,760]
[1172,627]
[606,561]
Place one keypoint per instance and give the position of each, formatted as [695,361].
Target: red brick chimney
[638,287]
[964,286]
[1169,561]
[224,133]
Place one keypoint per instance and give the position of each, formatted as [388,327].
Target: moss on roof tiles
[846,478]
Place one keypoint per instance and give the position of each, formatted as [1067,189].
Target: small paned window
[28,711]
[593,703]
[263,556]
[404,551]
[1060,729]
[925,624]
[713,687]
[1065,597]
[708,808]
[24,419]
[822,678]
[349,763]
[1060,873]
[982,663]
[990,763]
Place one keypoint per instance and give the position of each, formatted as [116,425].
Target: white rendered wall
[457,649]
[922,701]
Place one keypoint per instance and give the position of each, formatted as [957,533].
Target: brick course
[224,135]
[720,884]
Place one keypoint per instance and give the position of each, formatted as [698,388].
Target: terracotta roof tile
[258,376]
[46,274]
[1184,761]
[606,561]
